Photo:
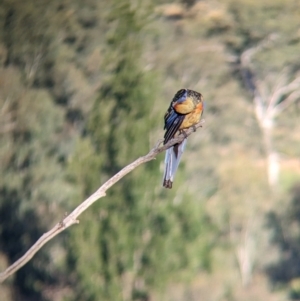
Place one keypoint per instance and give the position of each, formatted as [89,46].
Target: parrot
[185,110]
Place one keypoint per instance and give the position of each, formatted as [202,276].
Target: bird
[185,110]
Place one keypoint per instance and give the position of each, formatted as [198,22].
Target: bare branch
[282,79]
[71,219]
[250,82]
[250,52]
[282,91]
[247,56]
[292,98]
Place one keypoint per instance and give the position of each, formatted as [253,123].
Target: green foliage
[32,185]
[284,226]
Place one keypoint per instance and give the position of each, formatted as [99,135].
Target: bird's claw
[183,133]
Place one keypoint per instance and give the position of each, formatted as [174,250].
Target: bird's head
[180,96]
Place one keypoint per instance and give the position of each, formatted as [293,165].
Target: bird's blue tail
[172,159]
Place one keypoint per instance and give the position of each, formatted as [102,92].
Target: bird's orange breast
[193,117]
[184,107]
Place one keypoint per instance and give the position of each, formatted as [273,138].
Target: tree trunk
[273,166]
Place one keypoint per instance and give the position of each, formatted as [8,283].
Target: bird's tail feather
[172,159]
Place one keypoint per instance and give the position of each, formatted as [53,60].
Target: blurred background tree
[84,86]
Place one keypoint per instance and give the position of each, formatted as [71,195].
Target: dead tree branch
[71,219]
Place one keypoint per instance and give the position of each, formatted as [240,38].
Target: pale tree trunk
[273,163]
[268,107]
[266,124]
[245,250]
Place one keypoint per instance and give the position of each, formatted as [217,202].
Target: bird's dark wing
[173,121]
